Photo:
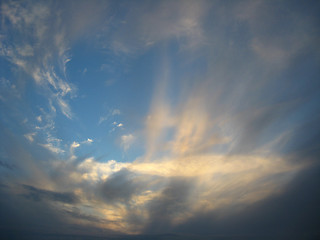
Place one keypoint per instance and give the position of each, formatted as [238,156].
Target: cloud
[102,119]
[7,165]
[40,194]
[170,206]
[275,214]
[94,171]
[8,90]
[39,118]
[230,144]
[112,113]
[75,145]
[120,187]
[127,141]
[52,148]
[30,136]
[40,60]
[115,112]
[44,212]
[65,108]
[77,214]
[159,22]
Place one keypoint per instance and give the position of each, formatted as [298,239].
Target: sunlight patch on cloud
[75,145]
[225,173]
[94,171]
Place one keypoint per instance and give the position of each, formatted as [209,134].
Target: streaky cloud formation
[159,119]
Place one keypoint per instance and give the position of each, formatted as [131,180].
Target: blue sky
[153,117]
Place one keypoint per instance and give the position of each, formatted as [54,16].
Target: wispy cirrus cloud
[36,53]
[112,113]
[155,23]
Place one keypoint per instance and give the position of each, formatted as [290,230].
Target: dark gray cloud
[37,194]
[20,213]
[76,213]
[122,185]
[28,218]
[174,200]
[292,213]
[304,142]
[7,165]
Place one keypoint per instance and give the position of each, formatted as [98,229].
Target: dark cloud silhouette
[122,185]
[291,214]
[173,201]
[20,213]
[29,218]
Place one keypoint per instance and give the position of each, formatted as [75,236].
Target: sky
[159,119]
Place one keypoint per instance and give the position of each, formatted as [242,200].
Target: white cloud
[111,113]
[52,148]
[88,141]
[65,108]
[38,60]
[30,136]
[126,141]
[116,112]
[120,125]
[96,171]
[102,119]
[75,145]
[26,51]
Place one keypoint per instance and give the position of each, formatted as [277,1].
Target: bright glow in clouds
[93,171]
[198,118]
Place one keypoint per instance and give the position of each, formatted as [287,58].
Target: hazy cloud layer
[209,129]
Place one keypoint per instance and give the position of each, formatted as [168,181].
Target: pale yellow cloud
[94,171]
[30,136]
